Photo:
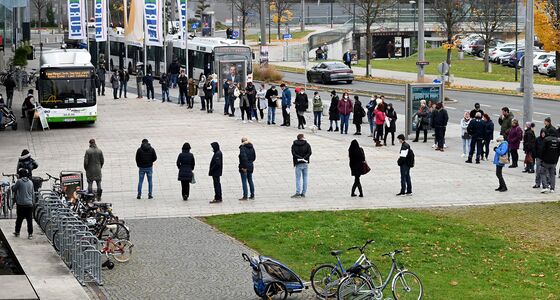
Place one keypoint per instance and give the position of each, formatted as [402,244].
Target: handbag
[193,179]
[466,136]
[503,159]
[365,168]
[529,159]
[387,122]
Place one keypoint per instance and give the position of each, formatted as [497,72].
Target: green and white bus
[66,86]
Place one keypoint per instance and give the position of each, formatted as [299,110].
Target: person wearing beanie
[529,144]
[500,160]
[185,164]
[145,158]
[405,162]
[514,138]
[23,189]
[26,162]
[93,163]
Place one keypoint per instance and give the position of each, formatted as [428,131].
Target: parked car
[514,58]
[552,71]
[539,58]
[329,72]
[498,52]
[477,47]
[544,66]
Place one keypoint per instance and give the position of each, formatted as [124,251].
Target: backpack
[410,158]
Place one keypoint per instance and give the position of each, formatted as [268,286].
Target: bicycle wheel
[121,250]
[354,287]
[275,291]
[324,280]
[374,275]
[4,207]
[407,285]
[115,230]
[56,240]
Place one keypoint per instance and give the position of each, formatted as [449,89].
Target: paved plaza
[183,258]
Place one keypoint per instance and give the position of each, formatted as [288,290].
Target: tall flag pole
[108,56]
[183,26]
[125,41]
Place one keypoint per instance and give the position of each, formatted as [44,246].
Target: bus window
[115,48]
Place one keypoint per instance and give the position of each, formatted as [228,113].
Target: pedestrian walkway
[459,81]
[123,123]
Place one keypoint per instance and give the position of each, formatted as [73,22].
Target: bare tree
[450,14]
[490,17]
[280,8]
[40,5]
[244,7]
[367,11]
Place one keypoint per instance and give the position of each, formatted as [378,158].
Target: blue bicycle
[326,277]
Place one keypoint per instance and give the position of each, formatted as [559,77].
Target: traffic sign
[194,25]
[235,34]
[287,36]
[443,68]
[422,63]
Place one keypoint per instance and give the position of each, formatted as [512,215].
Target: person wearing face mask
[271,96]
[345,108]
[302,103]
[317,110]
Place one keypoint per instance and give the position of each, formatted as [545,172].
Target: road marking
[496,115]
[485,105]
[540,113]
[449,107]
[538,121]
[514,109]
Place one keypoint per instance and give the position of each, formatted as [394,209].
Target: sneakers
[408,193]
[296,195]
[463,155]
[150,196]
[401,194]
[545,190]
[551,191]
[30,237]
[138,196]
[16,234]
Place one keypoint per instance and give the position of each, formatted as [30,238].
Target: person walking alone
[317,110]
[101,76]
[185,164]
[357,158]
[405,162]
[359,113]
[247,157]
[500,160]
[23,190]
[145,158]
[302,103]
[93,163]
[9,84]
[514,137]
[344,108]
[301,152]
[334,114]
[286,103]
[216,167]
[391,114]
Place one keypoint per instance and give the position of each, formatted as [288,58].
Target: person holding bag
[390,124]
[500,160]
[357,166]
[185,164]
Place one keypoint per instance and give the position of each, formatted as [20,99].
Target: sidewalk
[464,82]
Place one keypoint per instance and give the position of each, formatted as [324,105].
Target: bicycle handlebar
[392,254]
[362,247]
[52,177]
[9,175]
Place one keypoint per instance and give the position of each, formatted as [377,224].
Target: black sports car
[326,72]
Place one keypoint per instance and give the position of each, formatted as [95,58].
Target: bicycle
[120,250]
[8,196]
[326,278]
[404,284]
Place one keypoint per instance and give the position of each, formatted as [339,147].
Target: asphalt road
[490,103]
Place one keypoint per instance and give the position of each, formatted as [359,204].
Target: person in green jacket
[317,110]
[505,122]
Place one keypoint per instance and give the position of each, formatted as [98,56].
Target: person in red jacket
[344,108]
[379,124]
[514,138]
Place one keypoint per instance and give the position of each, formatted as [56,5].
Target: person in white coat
[464,134]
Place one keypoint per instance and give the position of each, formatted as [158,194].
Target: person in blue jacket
[286,103]
[501,149]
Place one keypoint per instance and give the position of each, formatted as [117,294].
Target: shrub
[20,56]
[267,74]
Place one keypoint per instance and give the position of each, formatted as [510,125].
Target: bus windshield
[66,88]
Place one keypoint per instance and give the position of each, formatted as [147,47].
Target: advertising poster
[233,71]
[76,20]
[398,46]
[263,56]
[71,182]
[415,92]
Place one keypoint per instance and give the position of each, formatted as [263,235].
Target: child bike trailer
[272,279]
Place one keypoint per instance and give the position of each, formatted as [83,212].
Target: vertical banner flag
[100,20]
[76,20]
[134,30]
[153,16]
[182,4]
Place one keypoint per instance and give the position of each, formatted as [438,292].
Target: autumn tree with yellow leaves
[281,13]
[547,26]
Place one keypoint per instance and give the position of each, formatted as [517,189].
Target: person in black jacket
[477,131]
[405,162]
[539,143]
[302,103]
[149,82]
[357,157]
[10,84]
[549,159]
[334,115]
[247,156]
[216,167]
[26,162]
[145,158]
[392,115]
[272,96]
[489,134]
[301,152]
[476,109]
[439,123]
[164,81]
[183,82]
[123,81]
[185,164]
[359,113]
[529,141]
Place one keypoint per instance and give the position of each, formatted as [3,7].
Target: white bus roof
[58,58]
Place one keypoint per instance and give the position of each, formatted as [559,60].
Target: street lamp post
[528,63]
[516,32]
[413,3]
[421,58]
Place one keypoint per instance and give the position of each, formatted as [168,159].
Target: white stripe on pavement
[449,107]
[514,109]
[538,121]
[485,105]
[540,113]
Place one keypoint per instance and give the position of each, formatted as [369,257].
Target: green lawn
[492,252]
[295,35]
[466,68]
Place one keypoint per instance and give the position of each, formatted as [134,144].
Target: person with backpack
[302,103]
[23,189]
[164,81]
[301,152]
[26,162]
[549,159]
[405,162]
